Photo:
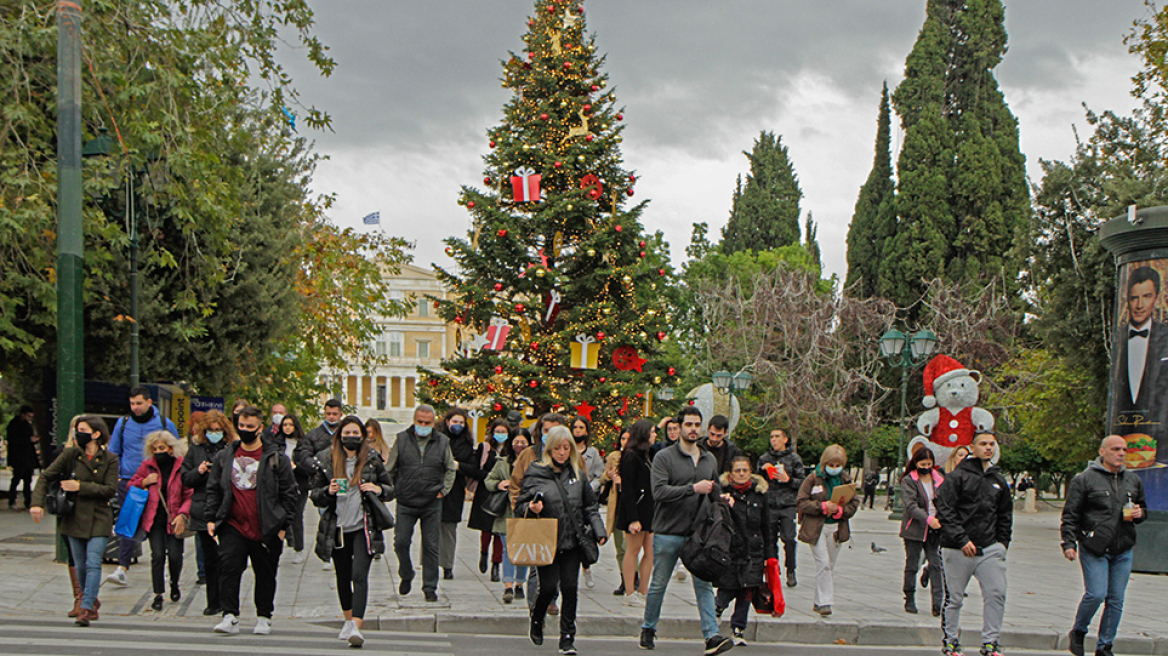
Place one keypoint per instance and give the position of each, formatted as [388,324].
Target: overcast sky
[417,87]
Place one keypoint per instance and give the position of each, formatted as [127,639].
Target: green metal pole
[897,508]
[133,282]
[70,240]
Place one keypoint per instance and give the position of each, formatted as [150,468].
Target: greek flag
[372,219]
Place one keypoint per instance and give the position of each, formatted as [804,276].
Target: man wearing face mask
[318,439]
[251,498]
[455,426]
[274,433]
[423,470]
[213,434]
[128,443]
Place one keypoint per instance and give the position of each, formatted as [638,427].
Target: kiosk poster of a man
[1140,368]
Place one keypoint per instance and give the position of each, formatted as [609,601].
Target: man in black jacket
[22,454]
[1104,503]
[718,443]
[784,471]
[976,512]
[251,497]
[317,440]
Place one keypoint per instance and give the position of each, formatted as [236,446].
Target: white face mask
[833,471]
[277,418]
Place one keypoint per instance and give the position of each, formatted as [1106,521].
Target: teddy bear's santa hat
[939,370]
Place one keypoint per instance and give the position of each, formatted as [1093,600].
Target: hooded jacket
[128,440]
[782,495]
[314,441]
[914,525]
[812,494]
[576,511]
[1093,513]
[326,532]
[275,489]
[178,496]
[975,505]
[755,534]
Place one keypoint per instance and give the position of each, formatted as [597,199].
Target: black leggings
[351,561]
[563,574]
[210,567]
[164,547]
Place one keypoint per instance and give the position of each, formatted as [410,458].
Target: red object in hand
[771,471]
[774,582]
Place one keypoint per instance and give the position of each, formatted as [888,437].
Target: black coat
[313,442]
[975,505]
[462,448]
[22,451]
[326,531]
[479,520]
[635,503]
[575,513]
[755,535]
[780,495]
[275,489]
[723,455]
[1093,513]
[196,455]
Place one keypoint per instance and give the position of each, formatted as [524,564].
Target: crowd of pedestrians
[233,485]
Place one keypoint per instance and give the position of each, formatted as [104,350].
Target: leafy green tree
[962,199]
[874,219]
[569,261]
[764,213]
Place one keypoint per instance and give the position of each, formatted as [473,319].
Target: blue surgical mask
[422,431]
[214,437]
[500,437]
[456,429]
[833,471]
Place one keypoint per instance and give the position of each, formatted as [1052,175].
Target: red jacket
[178,497]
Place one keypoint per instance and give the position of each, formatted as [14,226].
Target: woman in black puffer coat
[752,545]
[213,433]
[557,487]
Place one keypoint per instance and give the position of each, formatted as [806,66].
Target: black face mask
[82,439]
[164,460]
[247,437]
[352,443]
[924,471]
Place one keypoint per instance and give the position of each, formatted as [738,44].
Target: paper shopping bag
[532,541]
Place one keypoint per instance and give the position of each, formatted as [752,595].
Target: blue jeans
[1105,580]
[87,555]
[665,553]
[511,573]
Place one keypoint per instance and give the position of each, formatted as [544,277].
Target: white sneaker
[680,572]
[228,625]
[263,626]
[588,582]
[355,638]
[635,599]
[328,566]
[118,578]
[347,630]
[298,557]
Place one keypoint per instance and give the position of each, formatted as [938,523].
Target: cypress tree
[765,212]
[874,220]
[962,197]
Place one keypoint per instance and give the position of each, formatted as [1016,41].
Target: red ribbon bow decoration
[592,185]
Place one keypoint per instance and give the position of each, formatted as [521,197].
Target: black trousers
[563,575]
[296,531]
[351,562]
[164,547]
[787,534]
[741,598]
[21,474]
[234,552]
[211,567]
[912,565]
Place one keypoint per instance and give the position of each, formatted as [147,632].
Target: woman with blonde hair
[557,486]
[377,438]
[212,434]
[168,508]
[823,524]
[955,458]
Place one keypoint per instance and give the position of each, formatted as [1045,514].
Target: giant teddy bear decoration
[953,418]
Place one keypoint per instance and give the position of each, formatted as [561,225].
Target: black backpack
[706,553]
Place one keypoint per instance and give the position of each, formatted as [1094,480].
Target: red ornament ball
[470,204]
[533,384]
[551,10]
[691,401]
[499,406]
[595,88]
[642,254]
[543,117]
[671,371]
[567,64]
[535,346]
[491,144]
[498,369]
[531,23]
[632,178]
[603,379]
[618,228]
[501,233]
[629,191]
[487,180]
[449,251]
[620,117]
[498,286]
[587,107]
[660,272]
[558,164]
[519,307]
[458,319]
[640,395]
[660,334]
[490,388]
[600,335]
[641,243]
[589,138]
[433,383]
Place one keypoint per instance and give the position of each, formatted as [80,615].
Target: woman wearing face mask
[455,424]
[291,431]
[168,507]
[557,487]
[486,455]
[346,534]
[514,442]
[91,473]
[212,434]
[377,438]
[920,528]
[824,524]
[753,543]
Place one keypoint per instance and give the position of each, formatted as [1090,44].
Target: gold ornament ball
[614,393]
[652,285]
[581,158]
[515,380]
[651,312]
[540,273]
[618,138]
[563,103]
[591,252]
[626,279]
[526,147]
[619,422]
[643,335]
[570,208]
[656,380]
[607,310]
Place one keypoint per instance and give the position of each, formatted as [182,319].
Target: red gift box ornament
[592,186]
[497,334]
[525,184]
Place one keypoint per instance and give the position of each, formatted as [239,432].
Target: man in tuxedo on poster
[1142,385]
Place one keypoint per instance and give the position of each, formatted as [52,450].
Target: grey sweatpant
[990,571]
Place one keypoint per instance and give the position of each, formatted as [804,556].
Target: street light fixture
[905,353]
[722,380]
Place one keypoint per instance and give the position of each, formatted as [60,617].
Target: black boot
[791,581]
[620,591]
[483,563]
[495,572]
[567,645]
[1076,646]
[910,603]
[535,632]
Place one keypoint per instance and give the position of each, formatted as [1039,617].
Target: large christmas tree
[567,298]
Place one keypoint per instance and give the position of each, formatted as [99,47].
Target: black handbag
[378,512]
[497,503]
[59,502]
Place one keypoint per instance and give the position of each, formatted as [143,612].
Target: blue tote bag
[130,514]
